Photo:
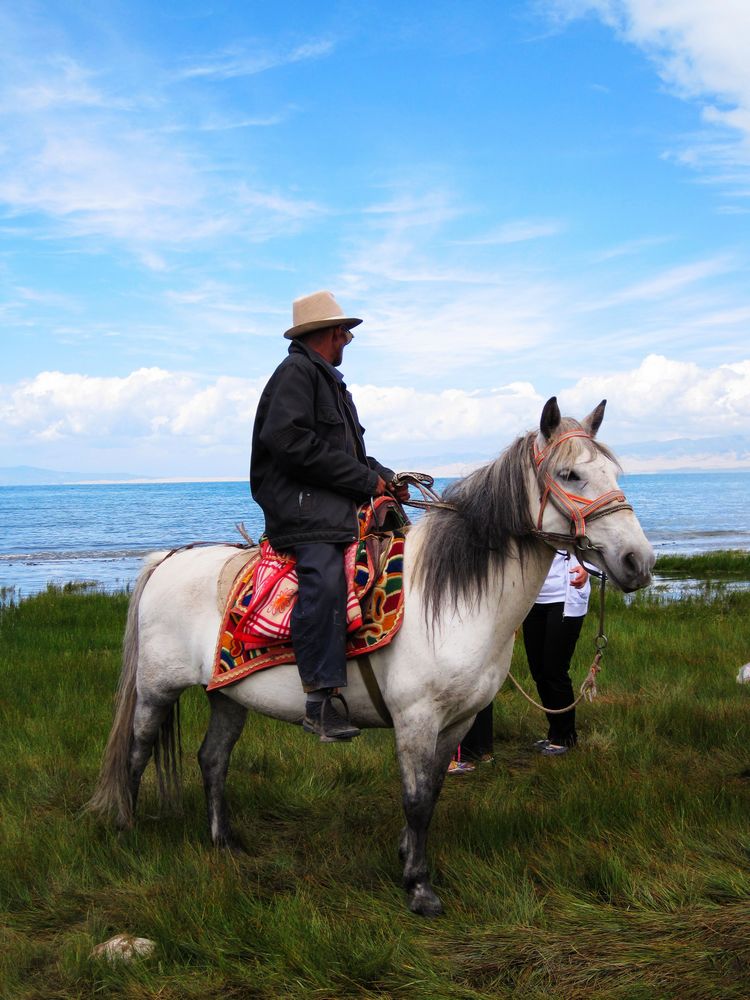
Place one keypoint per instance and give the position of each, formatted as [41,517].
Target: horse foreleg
[224,728]
[423,759]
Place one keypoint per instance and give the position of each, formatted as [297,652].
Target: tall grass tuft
[619,870]
[707,565]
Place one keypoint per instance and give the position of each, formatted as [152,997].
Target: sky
[520,199]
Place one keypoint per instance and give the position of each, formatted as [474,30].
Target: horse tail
[168,759]
[113,796]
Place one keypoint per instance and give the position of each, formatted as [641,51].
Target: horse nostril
[640,568]
[632,563]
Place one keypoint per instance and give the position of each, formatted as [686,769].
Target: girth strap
[373,689]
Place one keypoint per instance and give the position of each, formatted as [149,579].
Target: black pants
[478,740]
[550,640]
[319,617]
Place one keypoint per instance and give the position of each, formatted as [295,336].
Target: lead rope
[588,688]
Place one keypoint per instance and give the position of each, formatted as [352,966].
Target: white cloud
[518,231]
[663,399]
[60,82]
[699,48]
[700,51]
[152,402]
[435,418]
[631,247]
[78,159]
[220,123]
[134,187]
[425,292]
[669,281]
[239,60]
[154,411]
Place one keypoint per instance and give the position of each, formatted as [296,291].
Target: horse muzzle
[632,570]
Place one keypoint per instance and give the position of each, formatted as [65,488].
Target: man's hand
[401,493]
[380,488]
[578,577]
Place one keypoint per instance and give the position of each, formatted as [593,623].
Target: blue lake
[99,533]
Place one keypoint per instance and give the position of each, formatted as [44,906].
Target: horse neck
[511,586]
[514,585]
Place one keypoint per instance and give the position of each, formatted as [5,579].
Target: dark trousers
[550,640]
[478,740]
[318,621]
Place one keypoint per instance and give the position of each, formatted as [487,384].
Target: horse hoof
[425,902]
[231,844]
[123,824]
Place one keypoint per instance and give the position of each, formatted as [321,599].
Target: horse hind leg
[154,731]
[224,728]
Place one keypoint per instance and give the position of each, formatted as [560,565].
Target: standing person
[308,472]
[550,634]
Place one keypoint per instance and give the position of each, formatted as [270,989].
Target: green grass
[707,565]
[621,870]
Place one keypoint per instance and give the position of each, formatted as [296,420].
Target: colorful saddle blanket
[255,631]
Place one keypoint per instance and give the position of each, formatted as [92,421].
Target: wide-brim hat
[316,312]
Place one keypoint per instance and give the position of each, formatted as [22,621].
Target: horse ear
[550,418]
[593,421]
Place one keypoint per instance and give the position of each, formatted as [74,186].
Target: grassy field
[621,870]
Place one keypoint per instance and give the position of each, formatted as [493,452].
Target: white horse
[472,570]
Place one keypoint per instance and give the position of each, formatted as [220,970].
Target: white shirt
[557,588]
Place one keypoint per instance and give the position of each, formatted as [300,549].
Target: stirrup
[337,729]
[326,705]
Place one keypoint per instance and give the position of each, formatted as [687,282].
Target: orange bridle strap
[576,507]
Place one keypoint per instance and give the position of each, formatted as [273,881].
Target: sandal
[460,767]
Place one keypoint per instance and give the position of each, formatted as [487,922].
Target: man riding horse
[308,472]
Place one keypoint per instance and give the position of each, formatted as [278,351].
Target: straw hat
[315,312]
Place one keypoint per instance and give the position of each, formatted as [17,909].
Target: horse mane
[488,522]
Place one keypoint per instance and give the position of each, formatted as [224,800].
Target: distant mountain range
[29,475]
[687,455]
[680,455]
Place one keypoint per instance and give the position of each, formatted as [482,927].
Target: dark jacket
[309,470]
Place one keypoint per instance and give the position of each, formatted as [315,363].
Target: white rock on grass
[743,677]
[124,948]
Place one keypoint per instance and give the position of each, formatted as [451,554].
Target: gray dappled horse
[472,570]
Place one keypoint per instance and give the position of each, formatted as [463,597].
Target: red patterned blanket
[255,627]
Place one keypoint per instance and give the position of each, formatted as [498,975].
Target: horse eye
[568,475]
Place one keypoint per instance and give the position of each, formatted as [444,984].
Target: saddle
[256,594]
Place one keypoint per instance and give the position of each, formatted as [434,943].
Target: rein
[425,484]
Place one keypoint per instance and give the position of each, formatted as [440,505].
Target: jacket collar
[332,373]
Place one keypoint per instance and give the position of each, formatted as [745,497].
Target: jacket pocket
[305,502]
[328,415]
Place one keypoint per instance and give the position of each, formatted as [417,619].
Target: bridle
[578,509]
